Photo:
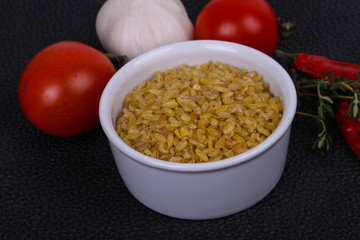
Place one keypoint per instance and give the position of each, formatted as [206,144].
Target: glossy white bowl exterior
[200,190]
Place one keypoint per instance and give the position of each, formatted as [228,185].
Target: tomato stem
[286,29]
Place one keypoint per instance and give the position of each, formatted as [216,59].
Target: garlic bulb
[132,27]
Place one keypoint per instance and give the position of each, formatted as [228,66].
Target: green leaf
[355,110]
[310,81]
[327,99]
[321,111]
[332,77]
[328,145]
[323,86]
[320,143]
[350,110]
[321,133]
[334,87]
[329,110]
[348,81]
[358,75]
[342,88]
[339,79]
[316,143]
[330,140]
[327,74]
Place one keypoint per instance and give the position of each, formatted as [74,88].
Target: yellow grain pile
[199,113]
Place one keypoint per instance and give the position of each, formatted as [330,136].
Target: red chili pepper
[316,66]
[349,127]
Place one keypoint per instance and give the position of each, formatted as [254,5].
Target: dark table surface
[69,188]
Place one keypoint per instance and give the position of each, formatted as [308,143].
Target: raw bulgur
[199,113]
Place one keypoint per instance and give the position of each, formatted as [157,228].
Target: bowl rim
[109,93]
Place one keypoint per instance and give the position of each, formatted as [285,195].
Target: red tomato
[60,88]
[249,22]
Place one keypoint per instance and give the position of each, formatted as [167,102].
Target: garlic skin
[132,27]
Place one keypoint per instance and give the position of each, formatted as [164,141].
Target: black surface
[69,188]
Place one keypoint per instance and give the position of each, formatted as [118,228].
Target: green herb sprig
[328,90]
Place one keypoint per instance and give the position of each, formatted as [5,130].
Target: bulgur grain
[199,113]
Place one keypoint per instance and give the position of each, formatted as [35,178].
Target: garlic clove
[133,27]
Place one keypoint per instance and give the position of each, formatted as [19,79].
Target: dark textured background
[69,188]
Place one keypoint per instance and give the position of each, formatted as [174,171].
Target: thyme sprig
[328,90]
[354,104]
[323,141]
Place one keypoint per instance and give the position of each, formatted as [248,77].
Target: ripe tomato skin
[249,22]
[60,88]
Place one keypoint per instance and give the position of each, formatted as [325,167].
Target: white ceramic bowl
[200,190]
